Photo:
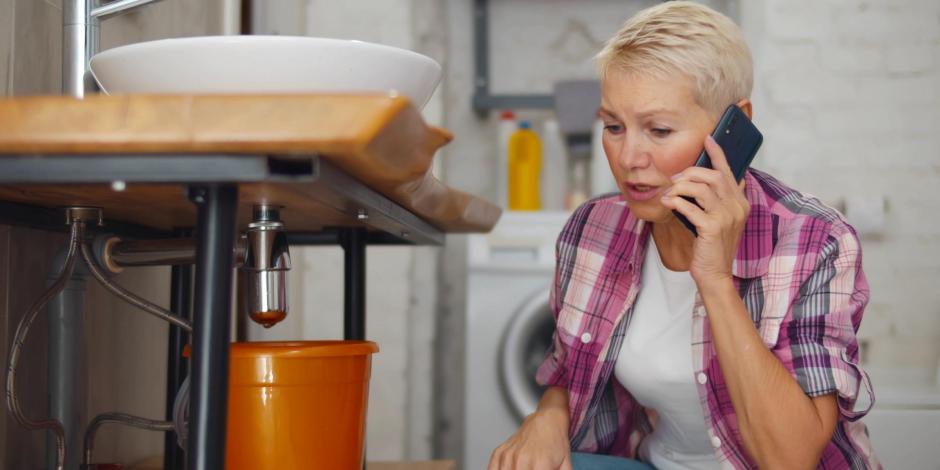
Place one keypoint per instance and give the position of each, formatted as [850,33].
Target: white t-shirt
[655,365]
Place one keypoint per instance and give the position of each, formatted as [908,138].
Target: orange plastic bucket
[298,405]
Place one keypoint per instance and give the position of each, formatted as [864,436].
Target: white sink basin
[265,64]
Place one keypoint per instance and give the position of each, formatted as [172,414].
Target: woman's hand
[541,443]
[721,219]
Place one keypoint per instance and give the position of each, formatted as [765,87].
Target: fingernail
[711,139]
[664,198]
[676,176]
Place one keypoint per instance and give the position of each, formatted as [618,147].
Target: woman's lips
[641,192]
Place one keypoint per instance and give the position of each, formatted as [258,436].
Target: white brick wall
[848,96]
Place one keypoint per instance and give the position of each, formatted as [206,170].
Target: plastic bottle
[577,191]
[507,125]
[554,182]
[525,168]
[602,179]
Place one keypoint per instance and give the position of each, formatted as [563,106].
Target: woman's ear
[745,106]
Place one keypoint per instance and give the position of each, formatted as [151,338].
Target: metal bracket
[371,208]
[154,168]
[328,184]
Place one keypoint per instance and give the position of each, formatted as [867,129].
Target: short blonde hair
[688,38]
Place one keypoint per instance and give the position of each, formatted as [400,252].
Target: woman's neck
[674,243]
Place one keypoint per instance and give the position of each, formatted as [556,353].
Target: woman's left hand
[721,219]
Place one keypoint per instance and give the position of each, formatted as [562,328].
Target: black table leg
[177,367]
[354,242]
[215,231]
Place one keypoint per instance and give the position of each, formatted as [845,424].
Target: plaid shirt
[799,272]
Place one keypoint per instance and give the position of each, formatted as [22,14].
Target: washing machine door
[524,346]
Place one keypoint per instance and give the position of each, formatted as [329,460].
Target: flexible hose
[181,413]
[120,418]
[129,297]
[76,244]
[22,330]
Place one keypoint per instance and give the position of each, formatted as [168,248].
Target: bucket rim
[302,349]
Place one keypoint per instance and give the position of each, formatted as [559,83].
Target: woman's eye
[661,132]
[613,128]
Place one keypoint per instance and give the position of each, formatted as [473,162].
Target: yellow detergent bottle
[525,168]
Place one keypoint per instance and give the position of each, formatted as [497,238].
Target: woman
[733,349]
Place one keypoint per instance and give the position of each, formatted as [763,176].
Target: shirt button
[586,338]
[702,378]
[716,442]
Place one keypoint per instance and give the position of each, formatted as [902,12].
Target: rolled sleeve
[817,340]
[552,371]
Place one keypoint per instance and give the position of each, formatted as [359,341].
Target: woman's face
[653,129]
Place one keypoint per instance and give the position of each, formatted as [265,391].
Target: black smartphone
[737,136]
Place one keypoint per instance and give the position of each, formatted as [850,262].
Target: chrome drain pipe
[262,254]
[264,271]
[117,254]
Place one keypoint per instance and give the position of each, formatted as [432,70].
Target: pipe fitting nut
[88,215]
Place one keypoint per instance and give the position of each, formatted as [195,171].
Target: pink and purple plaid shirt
[799,272]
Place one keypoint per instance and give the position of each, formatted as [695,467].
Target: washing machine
[509,327]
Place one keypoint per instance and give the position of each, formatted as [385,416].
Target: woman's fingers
[502,458]
[723,187]
[703,194]
[495,458]
[720,177]
[521,461]
[509,458]
[539,444]
[707,212]
[718,158]
[705,175]
[694,213]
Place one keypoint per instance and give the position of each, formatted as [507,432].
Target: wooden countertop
[379,140]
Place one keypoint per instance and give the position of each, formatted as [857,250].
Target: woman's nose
[633,154]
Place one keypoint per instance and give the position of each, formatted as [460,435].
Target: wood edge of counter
[155,123]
